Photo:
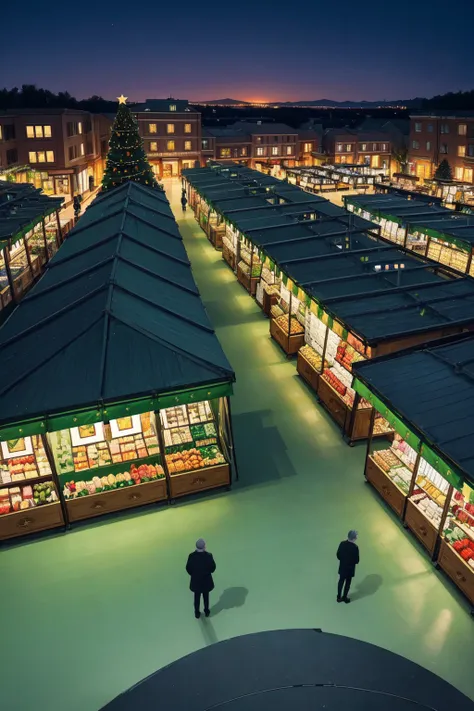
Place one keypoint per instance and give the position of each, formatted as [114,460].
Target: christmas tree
[126,159]
[443,171]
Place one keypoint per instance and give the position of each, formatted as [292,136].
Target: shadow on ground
[260,449]
[229,599]
[368,586]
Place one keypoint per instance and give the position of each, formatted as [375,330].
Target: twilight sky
[250,49]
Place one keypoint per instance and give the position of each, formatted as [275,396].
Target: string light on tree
[126,159]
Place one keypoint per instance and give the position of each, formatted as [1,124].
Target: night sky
[260,50]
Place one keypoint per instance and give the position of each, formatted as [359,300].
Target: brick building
[439,135]
[357,147]
[60,151]
[171,132]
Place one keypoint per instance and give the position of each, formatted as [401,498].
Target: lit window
[348,147]
[39,132]
[443,148]
[170,145]
[50,156]
[205,144]
[260,151]
[458,173]
[187,128]
[152,128]
[374,146]
[170,128]
[339,147]
[187,145]
[225,152]
[41,157]
[32,157]
[462,129]
[418,127]
[415,145]
[384,147]
[428,145]
[172,107]
[47,131]
[82,149]
[1,134]
[30,131]
[364,146]
[243,151]
[289,150]
[153,145]
[79,127]
[468,175]
[461,151]
[308,147]
[274,150]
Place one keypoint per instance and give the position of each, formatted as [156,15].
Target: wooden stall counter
[229,256]
[199,480]
[333,402]
[249,283]
[109,501]
[421,526]
[458,570]
[289,343]
[389,491]
[216,233]
[307,371]
[269,300]
[33,520]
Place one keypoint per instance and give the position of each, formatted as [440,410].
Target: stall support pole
[289,318]
[370,437]
[323,357]
[427,246]
[234,456]
[45,240]
[411,488]
[469,262]
[251,269]
[6,256]
[164,464]
[55,478]
[59,236]
[444,516]
[350,429]
[405,239]
[28,258]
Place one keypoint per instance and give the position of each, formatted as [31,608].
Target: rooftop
[21,207]
[163,106]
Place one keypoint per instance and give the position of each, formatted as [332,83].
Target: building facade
[171,133]
[60,151]
[357,147]
[436,136]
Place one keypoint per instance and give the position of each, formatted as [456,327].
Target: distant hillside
[411,103]
[224,102]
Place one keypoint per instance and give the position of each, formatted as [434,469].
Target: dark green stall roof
[432,389]
[116,317]
[22,206]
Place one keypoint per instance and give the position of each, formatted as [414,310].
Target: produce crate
[130,496]
[199,480]
[458,570]
[333,402]
[389,491]
[421,527]
[38,518]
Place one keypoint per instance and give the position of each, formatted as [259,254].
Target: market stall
[426,472]
[30,234]
[337,294]
[430,230]
[114,388]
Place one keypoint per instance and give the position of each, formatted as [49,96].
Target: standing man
[184,201]
[200,567]
[348,557]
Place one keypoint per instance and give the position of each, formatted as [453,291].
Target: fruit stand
[123,399]
[425,473]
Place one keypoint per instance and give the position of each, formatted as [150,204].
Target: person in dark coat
[200,567]
[348,557]
[184,201]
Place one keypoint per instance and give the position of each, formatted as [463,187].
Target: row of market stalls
[425,228]
[31,232]
[327,178]
[334,292]
[425,472]
[449,192]
[338,298]
[114,387]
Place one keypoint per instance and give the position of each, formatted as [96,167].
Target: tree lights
[126,159]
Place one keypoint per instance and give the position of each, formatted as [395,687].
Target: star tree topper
[122,99]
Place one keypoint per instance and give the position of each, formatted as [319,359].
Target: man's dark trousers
[197,601]
[344,581]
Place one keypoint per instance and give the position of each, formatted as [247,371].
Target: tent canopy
[433,390]
[116,316]
[22,206]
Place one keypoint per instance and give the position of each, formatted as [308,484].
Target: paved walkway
[88,614]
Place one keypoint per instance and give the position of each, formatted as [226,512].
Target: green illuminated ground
[87,614]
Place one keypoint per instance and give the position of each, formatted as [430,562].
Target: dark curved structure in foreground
[301,670]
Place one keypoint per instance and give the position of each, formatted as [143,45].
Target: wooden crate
[199,480]
[290,345]
[458,570]
[361,428]
[126,498]
[309,374]
[421,527]
[389,492]
[39,518]
[229,256]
